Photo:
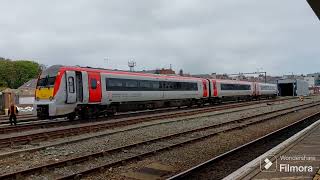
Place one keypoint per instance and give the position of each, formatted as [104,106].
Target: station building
[293,87]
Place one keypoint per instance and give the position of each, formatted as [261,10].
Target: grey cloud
[198,36]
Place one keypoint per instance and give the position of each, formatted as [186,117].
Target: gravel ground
[28,132]
[190,155]
[132,152]
[283,104]
[54,142]
[21,161]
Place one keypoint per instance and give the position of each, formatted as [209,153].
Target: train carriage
[87,92]
[79,91]
[265,90]
[231,90]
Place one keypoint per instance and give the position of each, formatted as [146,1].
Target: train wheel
[71,116]
[112,111]
[110,114]
[149,106]
[200,104]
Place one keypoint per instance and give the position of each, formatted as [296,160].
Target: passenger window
[156,85]
[131,84]
[71,84]
[93,84]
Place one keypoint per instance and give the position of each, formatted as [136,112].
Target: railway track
[26,117]
[28,137]
[143,149]
[107,134]
[99,135]
[32,124]
[20,115]
[225,164]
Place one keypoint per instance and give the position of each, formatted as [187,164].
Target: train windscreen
[48,76]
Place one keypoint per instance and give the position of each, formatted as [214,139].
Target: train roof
[244,82]
[232,81]
[269,84]
[118,72]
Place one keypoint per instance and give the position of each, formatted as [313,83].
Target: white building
[311,81]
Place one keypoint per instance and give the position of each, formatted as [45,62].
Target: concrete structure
[26,92]
[212,76]
[293,87]
[301,150]
[273,79]
[23,96]
[160,71]
[316,77]
[293,76]
[310,80]
[8,97]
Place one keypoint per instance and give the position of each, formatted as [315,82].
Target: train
[85,92]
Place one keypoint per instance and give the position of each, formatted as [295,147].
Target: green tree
[13,74]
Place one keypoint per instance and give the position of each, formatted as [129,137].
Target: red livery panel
[205,88]
[95,93]
[215,89]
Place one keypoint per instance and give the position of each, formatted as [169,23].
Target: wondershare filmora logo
[268,164]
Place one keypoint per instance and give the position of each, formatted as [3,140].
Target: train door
[79,85]
[256,89]
[95,93]
[71,87]
[205,88]
[162,87]
[215,89]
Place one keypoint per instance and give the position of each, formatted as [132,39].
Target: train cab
[58,91]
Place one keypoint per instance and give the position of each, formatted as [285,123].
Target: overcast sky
[198,36]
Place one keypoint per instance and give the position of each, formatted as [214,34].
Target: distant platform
[296,158]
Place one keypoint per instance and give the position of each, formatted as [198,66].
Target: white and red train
[88,92]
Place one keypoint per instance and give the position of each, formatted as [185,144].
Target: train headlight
[51,98]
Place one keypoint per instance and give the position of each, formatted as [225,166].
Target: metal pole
[293,88]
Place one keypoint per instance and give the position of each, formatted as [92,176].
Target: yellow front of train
[44,95]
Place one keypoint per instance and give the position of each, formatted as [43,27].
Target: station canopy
[315,5]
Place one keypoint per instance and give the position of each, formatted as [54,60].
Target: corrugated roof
[31,84]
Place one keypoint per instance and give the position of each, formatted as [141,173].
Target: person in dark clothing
[13,111]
